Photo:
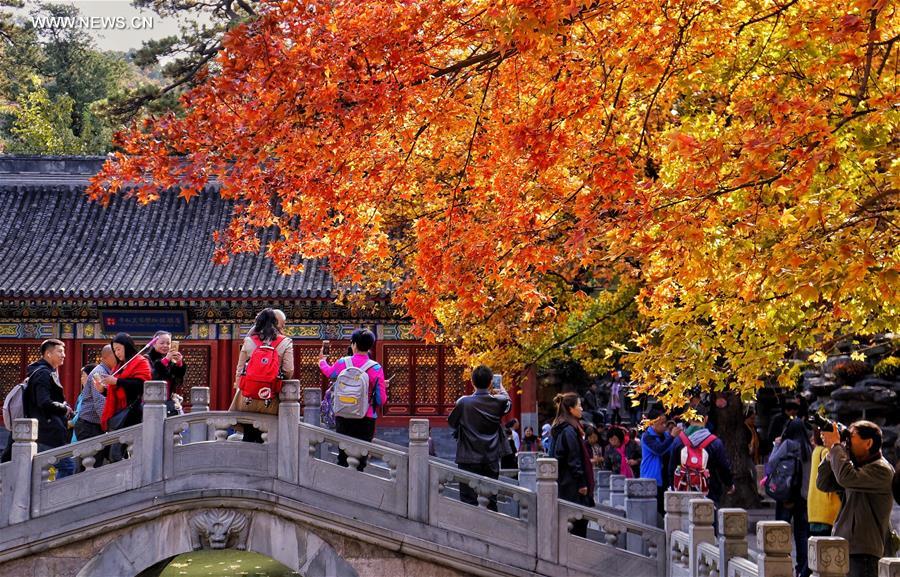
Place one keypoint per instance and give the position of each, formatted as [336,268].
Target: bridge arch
[161,538]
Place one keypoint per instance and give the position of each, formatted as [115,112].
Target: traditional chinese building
[74,270]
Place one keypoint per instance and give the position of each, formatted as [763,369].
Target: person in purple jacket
[361,342]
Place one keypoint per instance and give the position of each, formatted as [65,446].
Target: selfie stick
[139,353]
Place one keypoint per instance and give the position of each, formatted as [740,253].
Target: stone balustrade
[297,458]
[697,552]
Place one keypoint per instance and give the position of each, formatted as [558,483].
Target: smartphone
[174,346]
[326,347]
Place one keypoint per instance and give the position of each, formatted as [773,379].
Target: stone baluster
[418,473]
[527,470]
[828,557]
[732,536]
[199,404]
[773,538]
[602,484]
[701,514]
[289,432]
[889,567]
[152,435]
[312,406]
[640,506]
[17,485]
[617,491]
[676,518]
[547,517]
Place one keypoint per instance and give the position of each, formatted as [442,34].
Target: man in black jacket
[475,421]
[44,401]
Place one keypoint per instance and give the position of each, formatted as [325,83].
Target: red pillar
[222,378]
[514,389]
[70,371]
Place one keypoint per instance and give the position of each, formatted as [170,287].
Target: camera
[827,425]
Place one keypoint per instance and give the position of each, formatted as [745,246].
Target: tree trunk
[730,427]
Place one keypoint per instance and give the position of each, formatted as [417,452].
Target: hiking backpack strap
[707,442]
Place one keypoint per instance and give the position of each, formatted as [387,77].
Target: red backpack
[261,378]
[692,474]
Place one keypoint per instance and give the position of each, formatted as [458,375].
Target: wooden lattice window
[397,365]
[454,380]
[90,354]
[306,364]
[426,368]
[14,361]
[197,360]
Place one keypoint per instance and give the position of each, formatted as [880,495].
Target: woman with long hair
[267,330]
[125,391]
[568,447]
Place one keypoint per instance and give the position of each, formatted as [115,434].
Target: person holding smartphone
[361,342]
[475,421]
[168,365]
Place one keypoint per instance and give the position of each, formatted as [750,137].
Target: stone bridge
[185,486]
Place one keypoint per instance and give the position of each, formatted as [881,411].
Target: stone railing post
[828,556]
[701,513]
[676,518]
[547,517]
[289,432]
[732,536]
[418,474]
[773,539]
[889,567]
[199,404]
[617,491]
[153,431]
[527,470]
[312,406]
[602,484]
[676,508]
[17,488]
[640,506]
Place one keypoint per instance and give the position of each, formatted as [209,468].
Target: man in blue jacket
[656,445]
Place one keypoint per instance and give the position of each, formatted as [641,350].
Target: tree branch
[775,12]
[607,316]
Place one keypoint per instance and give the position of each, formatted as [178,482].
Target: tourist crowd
[825,479]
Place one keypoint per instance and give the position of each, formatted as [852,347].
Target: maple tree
[696,188]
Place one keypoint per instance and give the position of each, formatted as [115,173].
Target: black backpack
[783,483]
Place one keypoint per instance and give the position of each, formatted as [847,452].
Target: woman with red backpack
[265,360]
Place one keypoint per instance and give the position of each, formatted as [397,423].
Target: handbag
[118,420]
[506,448]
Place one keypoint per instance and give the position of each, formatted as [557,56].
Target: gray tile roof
[54,243]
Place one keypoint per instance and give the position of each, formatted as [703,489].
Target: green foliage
[41,124]
[794,374]
[888,368]
[54,87]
